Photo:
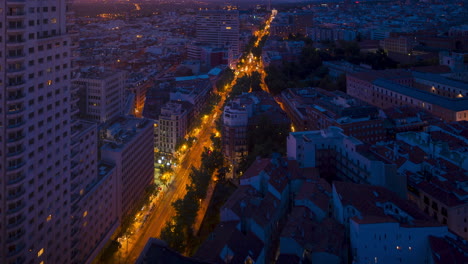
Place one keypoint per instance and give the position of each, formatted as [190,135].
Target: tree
[221,175]
[341,83]
[242,86]
[226,78]
[275,80]
[256,80]
[186,208]
[327,84]
[174,235]
[216,141]
[200,179]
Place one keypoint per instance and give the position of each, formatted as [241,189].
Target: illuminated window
[228,28]
[85,213]
[53,21]
[40,252]
[49,218]
[49,82]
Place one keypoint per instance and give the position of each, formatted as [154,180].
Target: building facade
[382,227]
[219,29]
[35,132]
[173,125]
[342,157]
[235,123]
[101,93]
[130,148]
[435,94]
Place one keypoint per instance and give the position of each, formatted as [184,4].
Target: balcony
[74,143]
[74,110]
[16,237]
[17,98]
[16,168]
[16,209]
[15,57]
[15,84]
[16,29]
[15,43]
[15,113]
[74,153]
[75,99]
[16,14]
[16,153]
[16,2]
[16,70]
[15,140]
[16,125]
[16,180]
[19,249]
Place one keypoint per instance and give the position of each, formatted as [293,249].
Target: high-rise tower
[219,29]
[35,132]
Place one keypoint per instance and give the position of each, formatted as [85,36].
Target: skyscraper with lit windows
[219,29]
[35,131]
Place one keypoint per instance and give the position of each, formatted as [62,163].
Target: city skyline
[233,132]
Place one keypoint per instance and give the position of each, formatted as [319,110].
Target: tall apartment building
[236,116]
[219,29]
[101,93]
[58,203]
[130,147]
[139,86]
[35,132]
[342,157]
[173,125]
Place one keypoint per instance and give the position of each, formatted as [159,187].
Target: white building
[382,227]
[35,96]
[339,156]
[101,93]
[172,125]
[236,116]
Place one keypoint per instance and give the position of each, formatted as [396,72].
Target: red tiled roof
[317,191]
[256,167]
[326,236]
[296,172]
[370,200]
[440,191]
[443,252]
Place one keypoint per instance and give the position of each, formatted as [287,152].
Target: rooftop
[326,236]
[122,131]
[455,104]
[157,252]
[98,73]
[377,204]
[441,79]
